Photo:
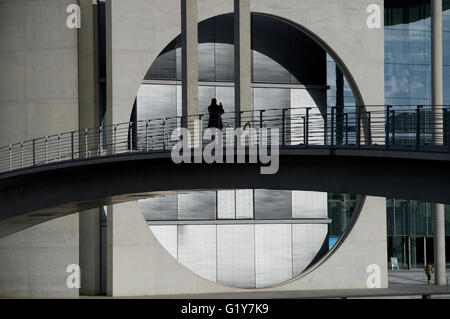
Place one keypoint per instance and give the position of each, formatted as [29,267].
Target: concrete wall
[38,97]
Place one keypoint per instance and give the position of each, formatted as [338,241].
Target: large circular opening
[253,238]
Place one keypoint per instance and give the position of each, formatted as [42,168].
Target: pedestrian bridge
[364,151]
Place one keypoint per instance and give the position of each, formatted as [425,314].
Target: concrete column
[90,258]
[437,71]
[438,101]
[242,59]
[89,117]
[439,244]
[189,39]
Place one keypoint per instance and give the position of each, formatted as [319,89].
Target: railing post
[200,118]
[10,157]
[418,127]
[100,131]
[448,129]
[261,114]
[114,148]
[346,129]
[304,130]
[387,129]
[59,147]
[325,129]
[71,138]
[333,109]
[307,126]
[146,135]
[21,154]
[445,124]
[164,133]
[45,152]
[86,142]
[34,152]
[261,124]
[130,129]
[240,118]
[283,142]
[393,127]
[369,125]
[358,126]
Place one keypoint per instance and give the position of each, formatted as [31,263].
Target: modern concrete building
[153,59]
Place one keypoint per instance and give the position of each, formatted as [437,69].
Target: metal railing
[418,128]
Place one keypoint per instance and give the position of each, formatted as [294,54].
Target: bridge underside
[33,196]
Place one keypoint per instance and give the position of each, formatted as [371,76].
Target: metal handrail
[386,127]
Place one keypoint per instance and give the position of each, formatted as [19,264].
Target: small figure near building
[429,271]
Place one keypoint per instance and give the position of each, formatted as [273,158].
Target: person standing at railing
[215,114]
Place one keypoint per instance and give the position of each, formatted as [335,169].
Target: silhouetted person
[215,114]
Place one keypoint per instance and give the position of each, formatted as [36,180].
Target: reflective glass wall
[408,82]
[242,238]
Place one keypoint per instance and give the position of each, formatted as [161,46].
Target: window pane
[236,255]
[197,206]
[309,204]
[159,208]
[226,205]
[309,245]
[273,204]
[244,204]
[197,249]
[273,252]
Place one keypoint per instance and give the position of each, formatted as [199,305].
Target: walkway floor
[402,284]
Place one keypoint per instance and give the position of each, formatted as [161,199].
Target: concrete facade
[138,30]
[242,50]
[38,97]
[51,83]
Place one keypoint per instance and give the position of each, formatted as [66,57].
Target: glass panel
[236,255]
[159,208]
[156,101]
[244,204]
[224,50]
[417,252]
[165,65]
[307,59]
[272,204]
[270,58]
[273,252]
[197,249]
[398,247]
[200,206]
[271,98]
[309,244]
[309,204]
[206,62]
[226,205]
[390,217]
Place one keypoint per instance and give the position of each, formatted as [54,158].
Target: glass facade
[408,82]
[242,255]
